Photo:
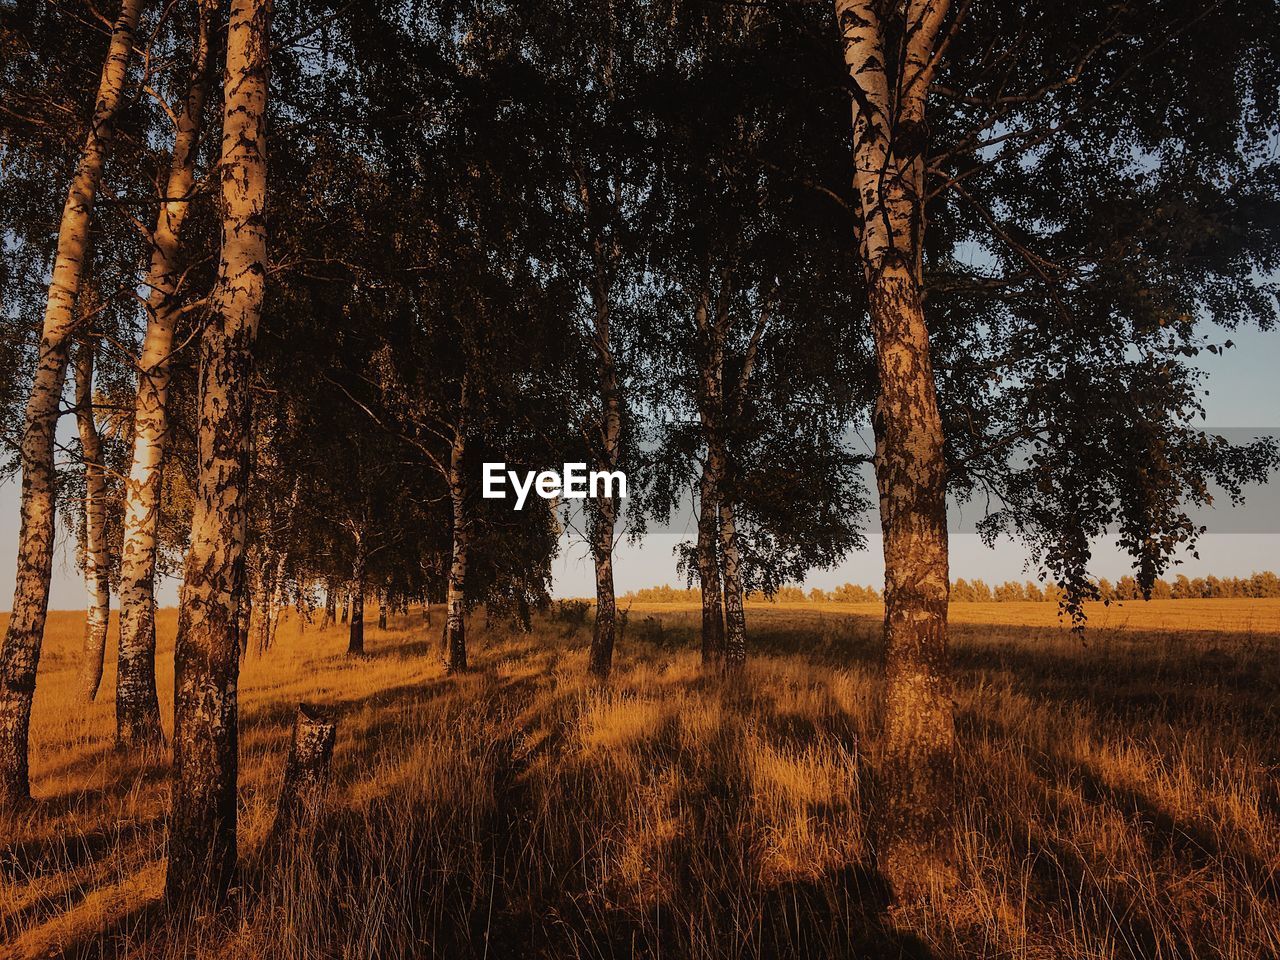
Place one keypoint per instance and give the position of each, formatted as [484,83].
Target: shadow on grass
[1156,676]
[33,859]
[121,937]
[487,878]
[1192,843]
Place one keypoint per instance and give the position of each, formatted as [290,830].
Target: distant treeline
[1264,584]
[849,593]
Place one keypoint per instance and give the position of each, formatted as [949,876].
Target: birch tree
[1043,137]
[748,323]
[580,134]
[719,553]
[888,90]
[768,467]
[604,436]
[21,650]
[137,709]
[202,837]
[97,566]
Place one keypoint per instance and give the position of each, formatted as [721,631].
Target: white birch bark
[890,138]
[735,618]
[137,707]
[604,521]
[96,563]
[202,838]
[709,391]
[455,640]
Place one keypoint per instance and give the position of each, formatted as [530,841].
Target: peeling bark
[20,653]
[202,835]
[137,706]
[96,564]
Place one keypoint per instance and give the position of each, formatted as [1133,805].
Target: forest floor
[1119,796]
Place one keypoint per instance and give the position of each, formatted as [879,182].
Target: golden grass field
[1119,796]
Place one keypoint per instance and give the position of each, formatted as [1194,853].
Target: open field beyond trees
[1117,795]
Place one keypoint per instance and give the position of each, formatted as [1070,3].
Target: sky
[1243,393]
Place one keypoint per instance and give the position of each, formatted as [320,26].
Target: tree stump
[306,772]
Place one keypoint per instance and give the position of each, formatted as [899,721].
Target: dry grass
[1117,799]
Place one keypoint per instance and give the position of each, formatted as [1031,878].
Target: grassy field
[1119,796]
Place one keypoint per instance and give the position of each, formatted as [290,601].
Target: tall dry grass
[1117,797]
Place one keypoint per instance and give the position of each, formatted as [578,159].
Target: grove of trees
[300,269]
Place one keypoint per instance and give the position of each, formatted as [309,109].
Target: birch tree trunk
[96,564]
[709,567]
[724,635]
[735,618]
[306,778]
[455,625]
[355,632]
[919,734]
[889,137]
[137,707]
[382,611]
[731,407]
[606,508]
[330,606]
[202,839]
[278,596]
[20,653]
[258,583]
[603,635]
[244,619]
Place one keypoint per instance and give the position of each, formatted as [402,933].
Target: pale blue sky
[1243,393]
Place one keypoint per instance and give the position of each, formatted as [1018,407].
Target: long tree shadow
[1069,876]
[1234,682]
[844,913]
[123,936]
[516,906]
[1163,831]
[30,860]
[128,769]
